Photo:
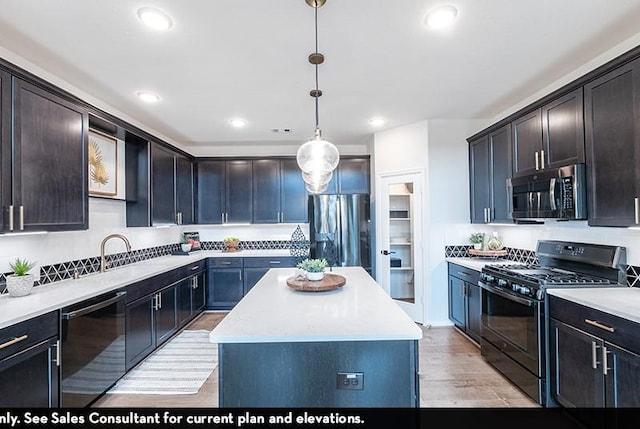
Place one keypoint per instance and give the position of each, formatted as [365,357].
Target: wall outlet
[350,381]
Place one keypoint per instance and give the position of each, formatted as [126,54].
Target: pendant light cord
[317,93]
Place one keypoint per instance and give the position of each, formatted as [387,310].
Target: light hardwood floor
[452,374]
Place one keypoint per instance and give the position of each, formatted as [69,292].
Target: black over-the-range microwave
[558,193]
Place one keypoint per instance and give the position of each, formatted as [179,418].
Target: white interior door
[399,243]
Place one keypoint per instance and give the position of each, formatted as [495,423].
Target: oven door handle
[81,312]
[519,300]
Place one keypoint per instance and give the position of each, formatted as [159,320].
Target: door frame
[415,310]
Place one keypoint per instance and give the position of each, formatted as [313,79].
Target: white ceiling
[248,58]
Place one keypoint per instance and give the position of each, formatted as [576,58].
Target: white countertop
[273,312]
[477,263]
[620,301]
[53,296]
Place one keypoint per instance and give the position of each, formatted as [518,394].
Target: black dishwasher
[92,335]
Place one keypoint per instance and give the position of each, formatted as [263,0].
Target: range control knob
[487,277]
[525,290]
[502,282]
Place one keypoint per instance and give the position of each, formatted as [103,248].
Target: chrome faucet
[103,265]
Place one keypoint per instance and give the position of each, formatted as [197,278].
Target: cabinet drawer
[192,268]
[464,273]
[225,262]
[269,262]
[148,286]
[625,333]
[23,335]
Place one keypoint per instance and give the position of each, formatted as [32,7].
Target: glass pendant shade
[318,155]
[316,189]
[317,178]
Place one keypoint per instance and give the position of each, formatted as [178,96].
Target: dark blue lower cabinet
[319,374]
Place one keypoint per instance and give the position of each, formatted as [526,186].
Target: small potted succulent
[231,243]
[21,281]
[477,238]
[314,268]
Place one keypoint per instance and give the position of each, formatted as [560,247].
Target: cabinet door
[224,288]
[198,293]
[210,192]
[612,140]
[474,310]
[563,130]
[252,276]
[527,143]
[163,194]
[479,182]
[353,176]
[239,198]
[457,310]
[166,314]
[500,171]
[50,161]
[140,335]
[5,147]
[622,378]
[576,367]
[266,191]
[26,378]
[184,190]
[184,300]
[294,199]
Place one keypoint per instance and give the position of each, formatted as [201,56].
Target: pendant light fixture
[317,158]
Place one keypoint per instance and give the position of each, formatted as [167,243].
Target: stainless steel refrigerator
[339,229]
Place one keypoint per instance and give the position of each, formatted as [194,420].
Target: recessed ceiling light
[154,18]
[377,122]
[148,97]
[238,122]
[441,17]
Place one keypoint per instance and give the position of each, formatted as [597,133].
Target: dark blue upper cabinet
[353,176]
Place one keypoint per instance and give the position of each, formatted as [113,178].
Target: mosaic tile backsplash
[66,270]
[529,257]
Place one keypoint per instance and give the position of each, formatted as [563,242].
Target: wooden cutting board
[329,282]
[492,253]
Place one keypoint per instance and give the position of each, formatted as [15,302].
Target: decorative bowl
[186,247]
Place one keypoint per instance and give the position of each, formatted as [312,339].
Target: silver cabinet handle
[537,162]
[222,216]
[594,355]
[57,358]
[11,215]
[195,267]
[542,160]
[636,201]
[13,341]
[599,325]
[274,262]
[225,263]
[463,273]
[604,360]
[21,221]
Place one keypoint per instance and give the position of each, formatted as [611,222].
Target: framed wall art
[103,164]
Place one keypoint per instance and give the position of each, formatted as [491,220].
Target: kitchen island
[349,347]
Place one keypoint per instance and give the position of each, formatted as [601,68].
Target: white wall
[439,148]
[107,216]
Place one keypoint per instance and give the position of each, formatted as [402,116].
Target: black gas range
[514,326]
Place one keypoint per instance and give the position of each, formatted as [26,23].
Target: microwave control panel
[567,193]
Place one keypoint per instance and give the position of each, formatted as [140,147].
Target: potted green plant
[21,281]
[477,238]
[231,243]
[314,268]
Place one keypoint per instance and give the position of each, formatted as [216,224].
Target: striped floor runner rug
[180,367]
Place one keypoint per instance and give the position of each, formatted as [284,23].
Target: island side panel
[305,374]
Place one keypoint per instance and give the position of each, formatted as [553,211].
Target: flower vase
[20,285]
[314,277]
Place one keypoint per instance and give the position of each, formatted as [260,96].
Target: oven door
[514,325]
